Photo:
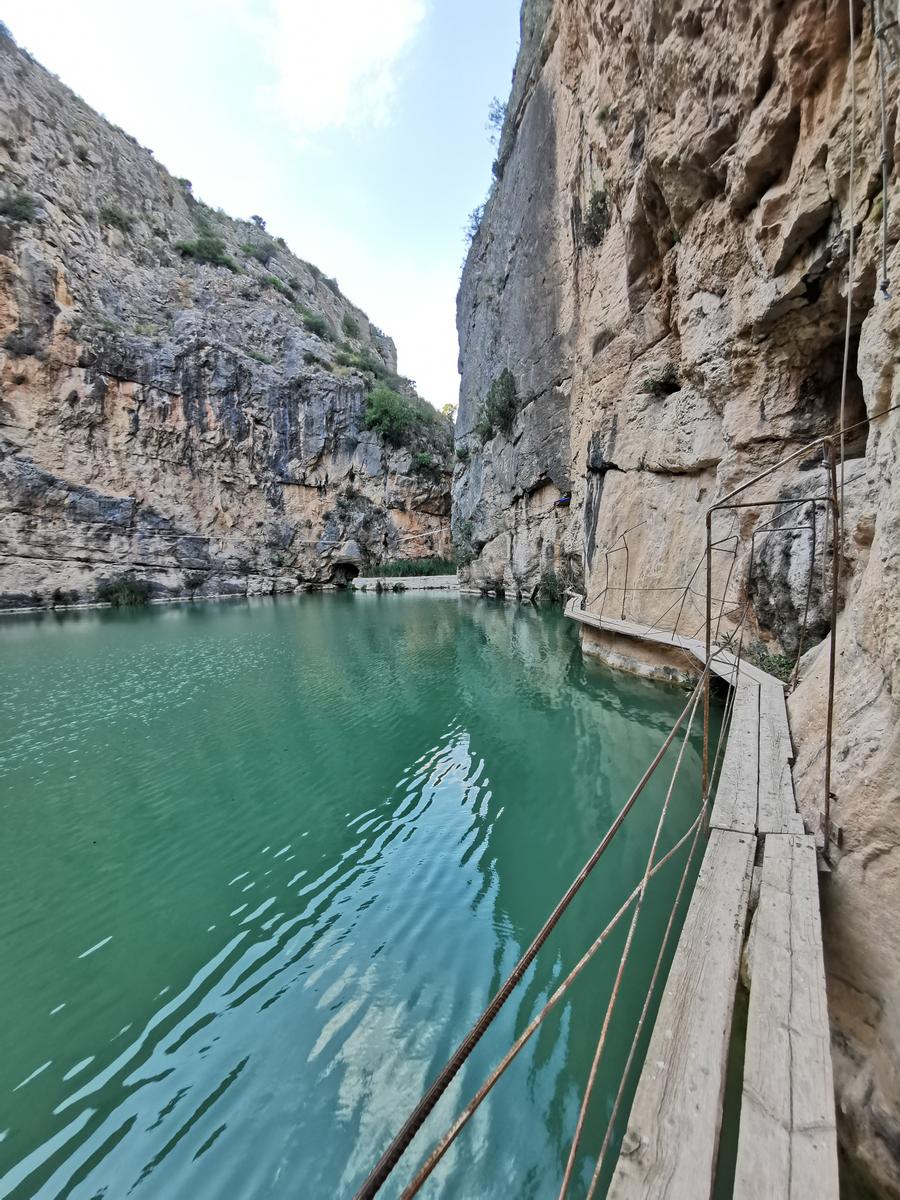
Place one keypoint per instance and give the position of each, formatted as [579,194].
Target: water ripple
[267,862]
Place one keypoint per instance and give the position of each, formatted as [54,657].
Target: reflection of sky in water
[267,863]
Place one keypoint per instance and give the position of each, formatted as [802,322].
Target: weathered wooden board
[736,795]
[669,1149]
[774,719]
[777,808]
[787,1145]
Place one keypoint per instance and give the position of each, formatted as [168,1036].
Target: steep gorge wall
[200,425]
[661,265]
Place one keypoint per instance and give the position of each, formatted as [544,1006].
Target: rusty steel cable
[881,28]
[850,259]
[385,1165]
[521,1041]
[623,961]
[651,987]
[402,1140]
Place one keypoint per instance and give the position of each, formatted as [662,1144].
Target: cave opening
[819,398]
[344,574]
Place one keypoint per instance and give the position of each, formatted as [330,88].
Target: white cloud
[337,62]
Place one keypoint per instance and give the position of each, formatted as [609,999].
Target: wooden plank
[776,805]
[777,808]
[787,1143]
[773,715]
[736,795]
[669,1149]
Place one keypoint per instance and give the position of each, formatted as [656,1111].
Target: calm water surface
[262,865]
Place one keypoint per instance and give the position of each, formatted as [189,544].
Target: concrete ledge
[405,583]
[668,664]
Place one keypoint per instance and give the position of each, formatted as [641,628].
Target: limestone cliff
[179,395]
[652,311]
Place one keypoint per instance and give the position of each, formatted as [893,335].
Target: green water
[262,864]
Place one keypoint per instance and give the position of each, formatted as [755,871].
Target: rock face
[662,268]
[202,425]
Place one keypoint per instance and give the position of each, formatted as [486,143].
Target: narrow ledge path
[759,873]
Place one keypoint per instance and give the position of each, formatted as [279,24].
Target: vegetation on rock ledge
[500,406]
[416,566]
[123,591]
[596,219]
[405,421]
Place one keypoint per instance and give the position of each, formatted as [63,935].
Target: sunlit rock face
[170,416]
[662,265]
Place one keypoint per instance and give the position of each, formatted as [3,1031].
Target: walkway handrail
[414,1121]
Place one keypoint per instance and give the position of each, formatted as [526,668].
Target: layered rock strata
[180,396]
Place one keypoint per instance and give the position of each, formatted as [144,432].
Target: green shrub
[61,596]
[415,566]
[500,406]
[111,215]
[664,384]
[207,249]
[312,360]
[496,118]
[350,325]
[316,324]
[262,251]
[596,219]
[779,665]
[123,591]
[18,207]
[463,453]
[259,356]
[424,463]
[473,223]
[279,285]
[391,415]
[361,360]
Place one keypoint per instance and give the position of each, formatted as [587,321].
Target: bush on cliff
[18,208]
[410,421]
[350,325]
[391,415]
[316,324]
[500,406]
[415,566]
[112,215]
[262,251]
[123,590]
[207,248]
[596,219]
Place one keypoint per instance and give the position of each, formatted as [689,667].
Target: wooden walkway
[787,1144]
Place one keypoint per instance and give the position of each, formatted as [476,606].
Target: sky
[356,128]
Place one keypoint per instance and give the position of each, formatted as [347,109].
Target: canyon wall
[180,396]
[653,311]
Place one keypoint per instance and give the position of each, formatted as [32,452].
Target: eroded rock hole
[819,397]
